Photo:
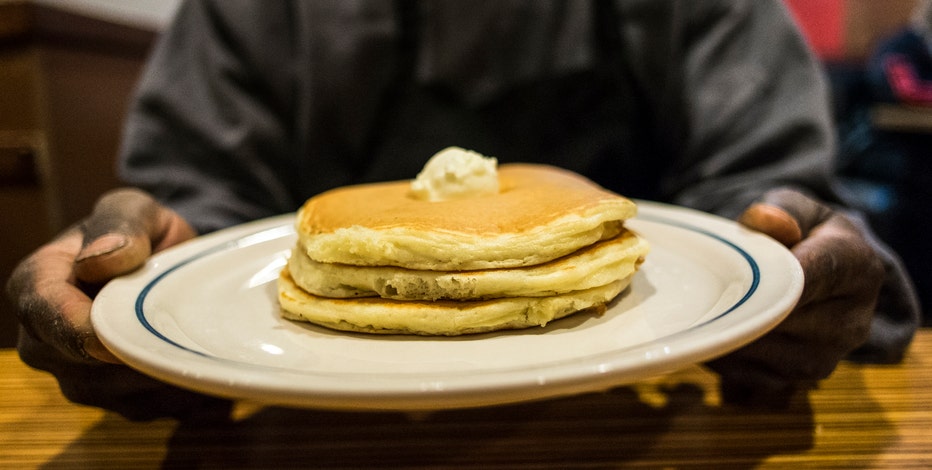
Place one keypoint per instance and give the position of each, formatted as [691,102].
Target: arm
[734,96]
[747,114]
[210,131]
[203,137]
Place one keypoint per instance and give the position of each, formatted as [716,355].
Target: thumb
[123,230]
[786,215]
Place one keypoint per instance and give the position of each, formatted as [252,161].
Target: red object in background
[906,84]
[823,24]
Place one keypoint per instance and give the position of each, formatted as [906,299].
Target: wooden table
[864,416]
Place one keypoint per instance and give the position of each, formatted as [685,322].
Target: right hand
[52,289]
[843,277]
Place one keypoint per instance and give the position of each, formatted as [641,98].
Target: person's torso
[543,82]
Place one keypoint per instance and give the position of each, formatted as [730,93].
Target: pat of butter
[455,173]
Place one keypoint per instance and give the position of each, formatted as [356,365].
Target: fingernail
[103,245]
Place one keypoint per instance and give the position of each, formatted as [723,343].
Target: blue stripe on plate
[755,269]
[252,239]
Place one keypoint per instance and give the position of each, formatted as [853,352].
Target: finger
[773,221]
[125,227]
[50,306]
[805,211]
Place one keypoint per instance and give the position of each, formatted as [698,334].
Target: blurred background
[68,67]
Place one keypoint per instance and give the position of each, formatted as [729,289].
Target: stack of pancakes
[372,258]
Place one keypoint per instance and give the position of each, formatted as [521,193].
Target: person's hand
[53,287]
[843,276]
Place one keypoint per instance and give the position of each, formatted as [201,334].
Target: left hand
[843,275]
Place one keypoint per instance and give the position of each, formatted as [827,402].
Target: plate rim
[565,378]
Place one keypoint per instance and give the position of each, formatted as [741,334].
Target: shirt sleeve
[735,95]
[209,133]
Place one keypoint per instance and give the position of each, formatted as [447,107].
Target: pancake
[596,265]
[541,213]
[464,248]
[438,318]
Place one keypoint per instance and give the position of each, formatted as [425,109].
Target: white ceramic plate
[204,315]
